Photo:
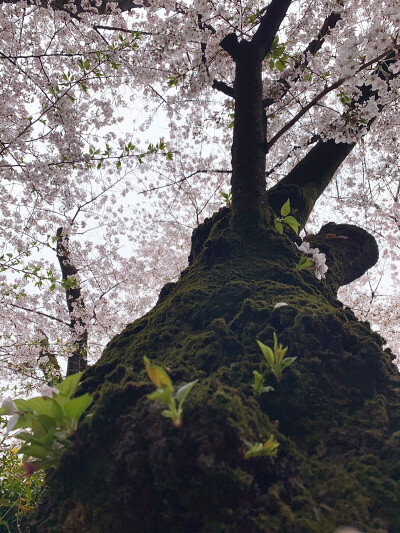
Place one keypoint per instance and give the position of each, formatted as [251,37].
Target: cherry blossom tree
[305,94]
[63,161]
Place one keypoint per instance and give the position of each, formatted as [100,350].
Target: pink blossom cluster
[320,267]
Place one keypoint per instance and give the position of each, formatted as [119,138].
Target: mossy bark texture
[335,412]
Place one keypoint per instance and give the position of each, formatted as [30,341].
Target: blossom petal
[304,247]
[47,391]
[9,406]
[12,421]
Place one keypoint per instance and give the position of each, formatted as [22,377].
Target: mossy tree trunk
[335,413]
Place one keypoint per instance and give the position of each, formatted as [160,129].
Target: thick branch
[329,23]
[223,88]
[269,25]
[310,177]
[78,360]
[249,136]
[249,132]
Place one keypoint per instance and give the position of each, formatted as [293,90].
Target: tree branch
[181,180]
[223,88]
[303,111]
[59,5]
[36,312]
[313,47]
[269,25]
[310,177]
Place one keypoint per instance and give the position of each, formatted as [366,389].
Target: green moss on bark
[335,412]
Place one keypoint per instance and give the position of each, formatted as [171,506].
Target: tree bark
[334,412]
[250,128]
[75,304]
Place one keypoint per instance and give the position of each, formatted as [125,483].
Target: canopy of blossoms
[116,126]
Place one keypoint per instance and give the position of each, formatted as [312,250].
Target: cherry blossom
[82,95]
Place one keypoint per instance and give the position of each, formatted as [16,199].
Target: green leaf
[280,50]
[70,384]
[46,441]
[170,414]
[41,406]
[157,375]
[287,361]
[162,395]
[279,65]
[184,391]
[47,422]
[34,450]
[77,406]
[285,209]
[292,222]
[268,353]
[25,435]
[305,263]
[268,448]
[258,385]
[279,228]
[37,427]
[267,389]
[173,80]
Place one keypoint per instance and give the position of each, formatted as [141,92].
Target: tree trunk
[77,361]
[335,413]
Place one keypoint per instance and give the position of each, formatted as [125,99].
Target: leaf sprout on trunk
[165,392]
[260,449]
[276,357]
[285,218]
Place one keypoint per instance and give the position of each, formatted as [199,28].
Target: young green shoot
[276,357]
[258,385]
[259,449]
[227,197]
[287,219]
[165,392]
